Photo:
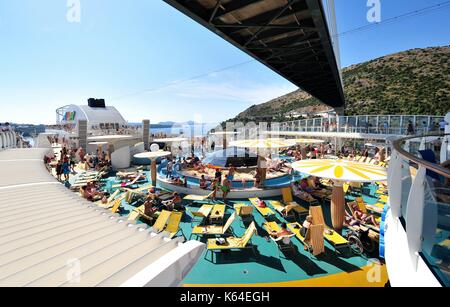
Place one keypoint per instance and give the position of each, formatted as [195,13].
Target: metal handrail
[397,145]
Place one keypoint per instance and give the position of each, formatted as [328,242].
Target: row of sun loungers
[314,239]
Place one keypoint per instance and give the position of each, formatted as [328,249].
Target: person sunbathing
[150,205]
[261,204]
[173,203]
[284,232]
[350,220]
[177,181]
[199,167]
[363,217]
[296,189]
[304,186]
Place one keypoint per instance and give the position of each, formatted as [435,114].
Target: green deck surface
[269,265]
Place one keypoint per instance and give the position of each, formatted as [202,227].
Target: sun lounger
[136,213]
[330,235]
[313,239]
[116,203]
[214,229]
[244,211]
[287,195]
[202,213]
[284,242]
[198,197]
[217,213]
[231,243]
[362,207]
[173,225]
[266,211]
[109,202]
[161,221]
[322,194]
[288,210]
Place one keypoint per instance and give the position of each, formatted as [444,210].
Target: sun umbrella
[340,171]
[153,155]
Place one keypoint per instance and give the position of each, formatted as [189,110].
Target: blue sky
[120,48]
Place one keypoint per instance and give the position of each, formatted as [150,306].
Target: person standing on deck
[442,125]
[169,169]
[66,168]
[410,128]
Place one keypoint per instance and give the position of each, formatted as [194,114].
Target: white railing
[8,139]
[419,194]
[371,124]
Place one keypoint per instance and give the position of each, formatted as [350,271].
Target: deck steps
[46,231]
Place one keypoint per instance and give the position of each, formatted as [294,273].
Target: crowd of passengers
[69,159]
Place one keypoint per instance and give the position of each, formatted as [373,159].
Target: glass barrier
[383,124]
[423,152]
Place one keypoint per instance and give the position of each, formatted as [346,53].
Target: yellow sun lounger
[136,213]
[201,214]
[116,204]
[161,221]
[287,195]
[173,225]
[383,198]
[314,235]
[363,208]
[214,229]
[288,209]
[284,242]
[330,235]
[288,198]
[217,213]
[109,202]
[198,197]
[264,211]
[243,242]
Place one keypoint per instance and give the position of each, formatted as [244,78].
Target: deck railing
[371,124]
[419,193]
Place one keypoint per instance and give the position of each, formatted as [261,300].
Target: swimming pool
[273,183]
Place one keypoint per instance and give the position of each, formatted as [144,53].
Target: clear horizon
[138,57]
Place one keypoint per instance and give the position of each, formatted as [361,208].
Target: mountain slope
[416,81]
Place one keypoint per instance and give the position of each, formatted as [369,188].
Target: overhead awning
[289,36]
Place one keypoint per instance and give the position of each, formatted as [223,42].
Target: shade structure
[340,171]
[264,143]
[308,141]
[98,143]
[106,138]
[153,155]
[224,133]
[171,140]
[298,134]
[237,157]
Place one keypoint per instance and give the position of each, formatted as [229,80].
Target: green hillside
[416,81]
